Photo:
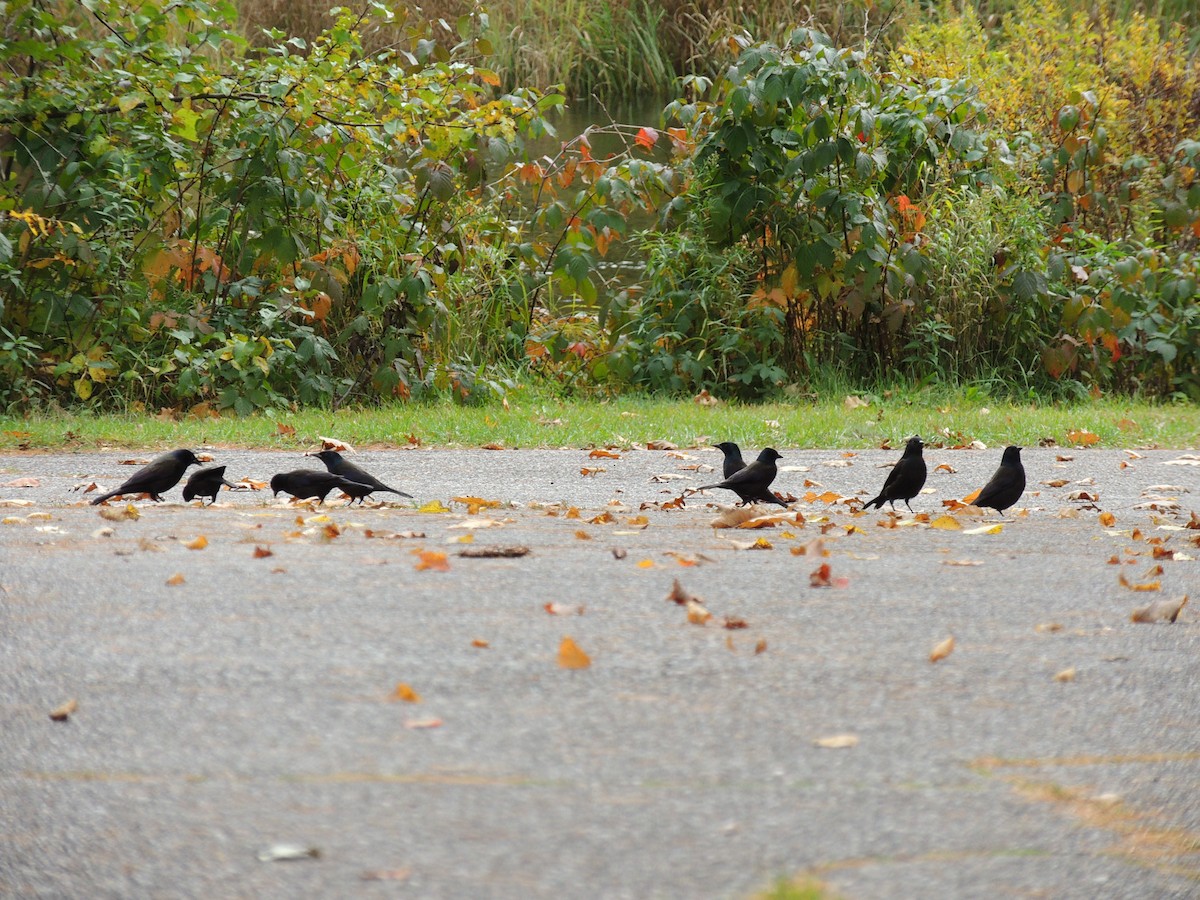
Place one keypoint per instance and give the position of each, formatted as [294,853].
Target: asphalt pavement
[236,676]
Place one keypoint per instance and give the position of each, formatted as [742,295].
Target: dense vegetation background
[217,208]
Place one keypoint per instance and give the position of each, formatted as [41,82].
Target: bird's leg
[906,503]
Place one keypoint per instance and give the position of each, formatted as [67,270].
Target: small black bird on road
[205,483]
[156,477]
[753,482]
[305,483]
[733,458]
[338,465]
[1006,485]
[906,478]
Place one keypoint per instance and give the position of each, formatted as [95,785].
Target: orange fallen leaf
[262,552]
[583,535]
[820,576]
[646,564]
[605,518]
[1083,438]
[432,722]
[405,693]
[197,543]
[432,560]
[945,467]
[63,712]
[1144,586]
[942,650]
[1107,519]
[585,471]
[571,657]
[603,454]
[480,642]
[1066,675]
[697,614]
[973,496]
[284,430]
[760,647]
[175,580]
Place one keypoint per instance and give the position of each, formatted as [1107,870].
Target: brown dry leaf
[1160,552]
[511,552]
[760,647]
[1048,627]
[1057,482]
[571,657]
[586,472]
[138,461]
[1066,675]
[852,402]
[392,535]
[945,467]
[1144,586]
[328,443]
[1083,438]
[262,552]
[605,518]
[561,609]
[733,516]
[480,643]
[431,722]
[63,712]
[583,535]
[433,560]
[405,693]
[252,484]
[821,576]
[175,580]
[962,562]
[23,483]
[387,874]
[678,594]
[285,430]
[733,623]
[942,650]
[696,613]
[837,742]
[704,398]
[119,513]
[946,523]
[1160,611]
[197,543]
[473,524]
[1107,519]
[661,445]
[603,454]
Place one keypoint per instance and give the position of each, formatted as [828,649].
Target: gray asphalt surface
[252,704]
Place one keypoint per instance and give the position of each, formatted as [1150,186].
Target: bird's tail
[98,500]
[400,493]
[877,501]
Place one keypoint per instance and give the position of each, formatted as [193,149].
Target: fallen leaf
[1107,519]
[942,650]
[646,564]
[392,535]
[480,643]
[1066,675]
[134,462]
[63,712]
[583,535]
[1083,438]
[945,523]
[586,472]
[119,513]
[561,609]
[696,613]
[986,529]
[434,506]
[475,504]
[760,647]
[1057,482]
[431,722]
[1048,627]
[328,443]
[262,552]
[23,483]
[472,524]
[962,562]
[603,454]
[405,693]
[1144,586]
[285,430]
[837,742]
[1160,611]
[287,852]
[852,402]
[511,552]
[661,445]
[571,657]
[197,543]
[386,874]
[175,580]
[821,576]
[432,560]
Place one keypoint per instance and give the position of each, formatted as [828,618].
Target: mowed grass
[540,421]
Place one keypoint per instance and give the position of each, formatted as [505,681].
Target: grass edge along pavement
[849,421]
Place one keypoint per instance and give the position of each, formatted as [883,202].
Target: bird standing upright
[160,475]
[906,478]
[753,482]
[305,483]
[205,483]
[733,458]
[1006,485]
[338,465]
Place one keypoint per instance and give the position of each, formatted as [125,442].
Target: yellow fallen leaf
[175,580]
[646,564]
[1066,675]
[1107,519]
[405,693]
[434,506]
[942,650]
[571,657]
[986,529]
[945,523]
[62,713]
[197,543]
[837,741]
[696,613]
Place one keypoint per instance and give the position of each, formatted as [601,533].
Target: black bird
[156,477]
[906,478]
[753,482]
[305,483]
[733,458]
[205,483]
[338,465]
[1006,485]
